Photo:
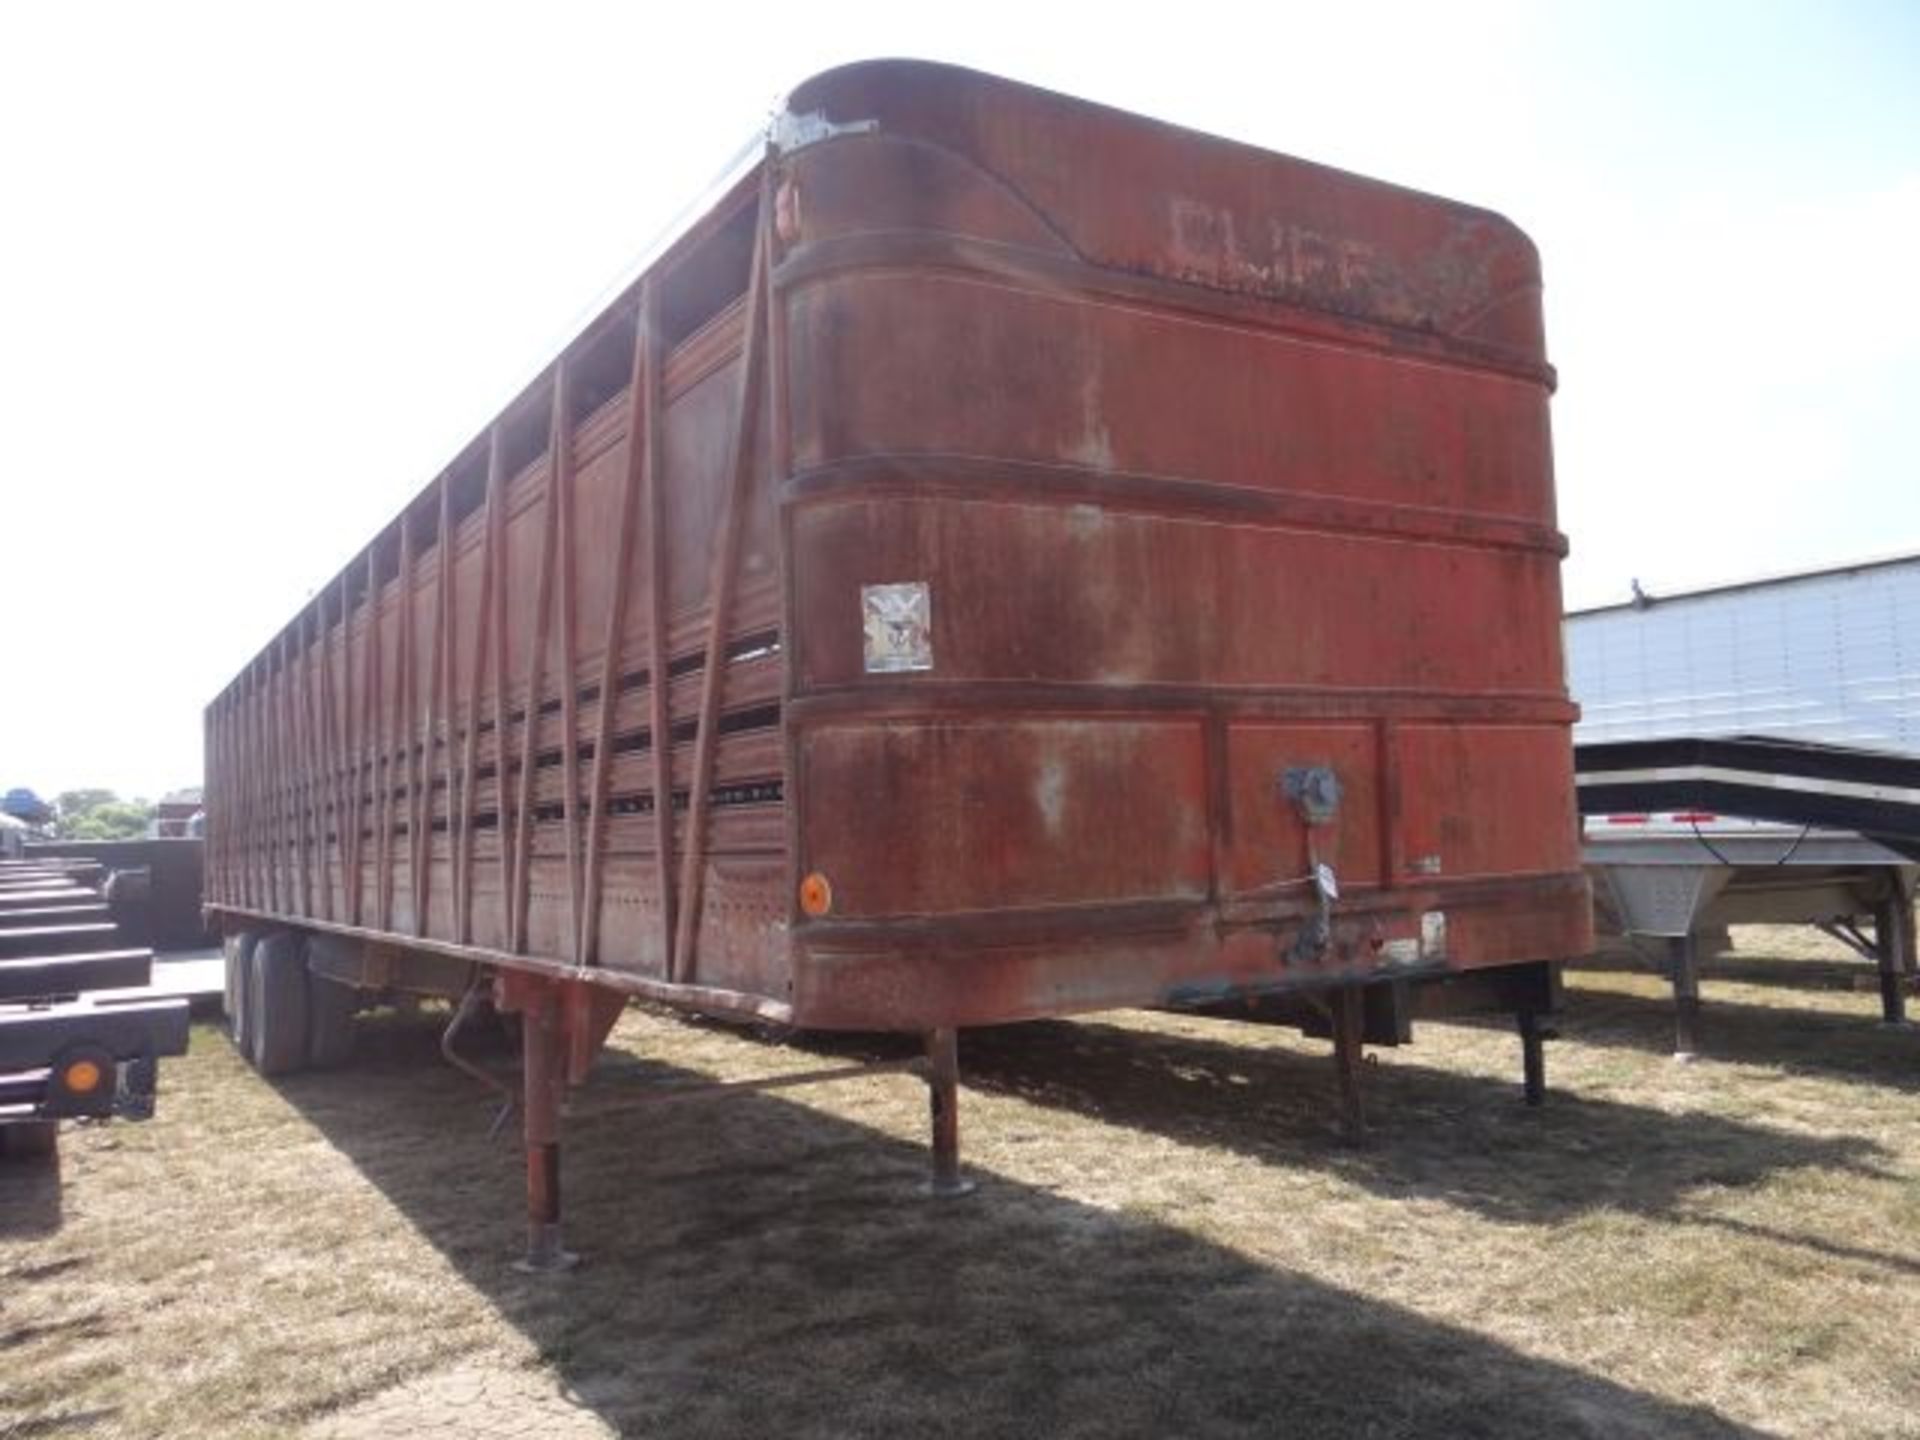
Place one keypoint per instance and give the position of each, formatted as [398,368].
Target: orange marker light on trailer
[816,895]
[82,1077]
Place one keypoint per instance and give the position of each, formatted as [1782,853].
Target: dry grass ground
[1166,1239]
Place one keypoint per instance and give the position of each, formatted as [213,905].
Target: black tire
[277,1008]
[238,948]
[30,1140]
[330,1011]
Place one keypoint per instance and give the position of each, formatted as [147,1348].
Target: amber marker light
[82,1077]
[816,895]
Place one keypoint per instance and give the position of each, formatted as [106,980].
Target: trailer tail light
[816,895]
[82,1077]
[1626,819]
[82,1082]
[1694,817]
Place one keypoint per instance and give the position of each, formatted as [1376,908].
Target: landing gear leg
[1349,1051]
[1890,944]
[943,1099]
[544,1077]
[1533,1056]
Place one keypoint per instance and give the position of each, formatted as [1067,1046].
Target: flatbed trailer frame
[81,1031]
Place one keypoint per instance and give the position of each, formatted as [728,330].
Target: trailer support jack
[1348,1009]
[544,1078]
[1890,943]
[943,1103]
[1533,1056]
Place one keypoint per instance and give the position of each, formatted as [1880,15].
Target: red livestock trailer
[1005,558]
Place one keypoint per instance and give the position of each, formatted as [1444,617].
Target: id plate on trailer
[898,621]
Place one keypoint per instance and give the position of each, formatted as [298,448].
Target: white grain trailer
[1750,754]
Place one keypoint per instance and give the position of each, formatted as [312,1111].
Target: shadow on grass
[1858,1254]
[748,1259]
[1822,974]
[1853,1047]
[74,1422]
[1435,1133]
[29,1196]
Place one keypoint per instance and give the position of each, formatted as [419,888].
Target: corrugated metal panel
[1832,657]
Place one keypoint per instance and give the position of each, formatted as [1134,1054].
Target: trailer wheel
[330,1011]
[277,1015]
[238,948]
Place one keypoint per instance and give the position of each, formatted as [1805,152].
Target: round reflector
[816,895]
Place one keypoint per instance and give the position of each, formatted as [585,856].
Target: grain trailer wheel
[277,1003]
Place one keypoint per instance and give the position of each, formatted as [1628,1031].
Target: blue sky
[262,269]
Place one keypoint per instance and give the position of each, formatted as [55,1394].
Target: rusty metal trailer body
[1006,558]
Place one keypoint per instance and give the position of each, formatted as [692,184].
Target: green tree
[76,803]
[101,815]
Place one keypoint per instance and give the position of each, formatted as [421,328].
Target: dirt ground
[1166,1238]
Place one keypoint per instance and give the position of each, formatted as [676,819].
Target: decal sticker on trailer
[898,620]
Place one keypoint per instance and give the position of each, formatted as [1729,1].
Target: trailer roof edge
[1754,582]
